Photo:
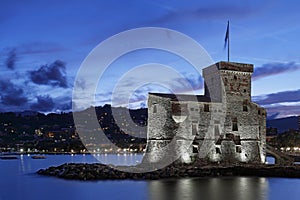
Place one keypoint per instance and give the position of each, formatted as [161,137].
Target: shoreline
[97,171]
[70,153]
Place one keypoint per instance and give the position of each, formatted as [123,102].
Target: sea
[19,181]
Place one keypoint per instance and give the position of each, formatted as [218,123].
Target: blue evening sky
[43,44]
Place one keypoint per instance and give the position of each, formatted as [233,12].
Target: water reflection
[246,188]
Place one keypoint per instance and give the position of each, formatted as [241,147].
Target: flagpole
[228,42]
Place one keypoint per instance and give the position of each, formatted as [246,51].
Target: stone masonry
[222,126]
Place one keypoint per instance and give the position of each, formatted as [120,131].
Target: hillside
[284,124]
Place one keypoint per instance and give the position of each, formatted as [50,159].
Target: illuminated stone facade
[221,126]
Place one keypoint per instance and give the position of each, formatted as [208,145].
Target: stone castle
[221,126]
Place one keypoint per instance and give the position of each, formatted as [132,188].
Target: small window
[234,124]
[259,112]
[217,131]
[218,150]
[206,108]
[179,108]
[245,90]
[194,129]
[195,149]
[192,109]
[235,77]
[154,108]
[245,105]
[238,149]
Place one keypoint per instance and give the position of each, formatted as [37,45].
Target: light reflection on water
[19,181]
[246,188]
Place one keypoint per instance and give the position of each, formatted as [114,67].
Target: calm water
[19,181]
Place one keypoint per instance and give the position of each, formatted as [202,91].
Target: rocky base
[76,171]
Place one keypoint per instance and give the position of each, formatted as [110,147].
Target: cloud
[195,80]
[143,104]
[39,47]
[44,103]
[65,106]
[272,116]
[280,104]
[11,95]
[270,69]
[206,12]
[128,91]
[286,96]
[11,59]
[63,103]
[81,83]
[282,111]
[53,74]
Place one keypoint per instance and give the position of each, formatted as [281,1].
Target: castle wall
[228,129]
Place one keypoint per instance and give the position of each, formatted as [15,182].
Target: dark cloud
[269,69]
[11,95]
[11,59]
[53,74]
[65,106]
[286,96]
[44,104]
[283,111]
[13,100]
[63,103]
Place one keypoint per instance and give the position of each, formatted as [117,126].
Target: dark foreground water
[19,181]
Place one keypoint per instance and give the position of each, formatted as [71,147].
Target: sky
[44,44]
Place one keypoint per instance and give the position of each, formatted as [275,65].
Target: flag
[227,35]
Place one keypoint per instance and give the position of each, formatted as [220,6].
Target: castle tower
[222,126]
[228,80]
[244,128]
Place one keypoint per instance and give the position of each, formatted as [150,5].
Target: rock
[102,172]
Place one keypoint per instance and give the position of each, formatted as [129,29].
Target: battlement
[232,66]
[242,67]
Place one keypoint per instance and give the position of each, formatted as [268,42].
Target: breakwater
[96,171]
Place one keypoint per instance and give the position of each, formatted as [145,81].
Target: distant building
[221,126]
[271,133]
